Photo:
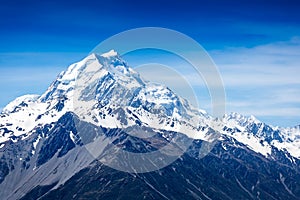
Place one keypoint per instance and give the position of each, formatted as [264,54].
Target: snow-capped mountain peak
[262,137]
[117,88]
[111,53]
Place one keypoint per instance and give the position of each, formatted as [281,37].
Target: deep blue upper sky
[40,38]
[76,26]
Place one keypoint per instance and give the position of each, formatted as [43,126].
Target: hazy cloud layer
[263,80]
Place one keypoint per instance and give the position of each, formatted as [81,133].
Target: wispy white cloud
[263,80]
[261,109]
[271,64]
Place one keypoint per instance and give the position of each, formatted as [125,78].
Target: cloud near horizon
[264,78]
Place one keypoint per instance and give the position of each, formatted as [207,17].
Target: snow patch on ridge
[111,53]
[25,98]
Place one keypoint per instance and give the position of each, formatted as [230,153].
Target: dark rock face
[229,171]
[234,174]
[4,170]
[58,139]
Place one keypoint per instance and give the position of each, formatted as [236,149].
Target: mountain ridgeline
[53,146]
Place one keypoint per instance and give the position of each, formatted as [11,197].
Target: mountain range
[101,131]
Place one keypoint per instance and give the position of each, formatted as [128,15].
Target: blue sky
[255,44]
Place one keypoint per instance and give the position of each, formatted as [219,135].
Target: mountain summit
[49,144]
